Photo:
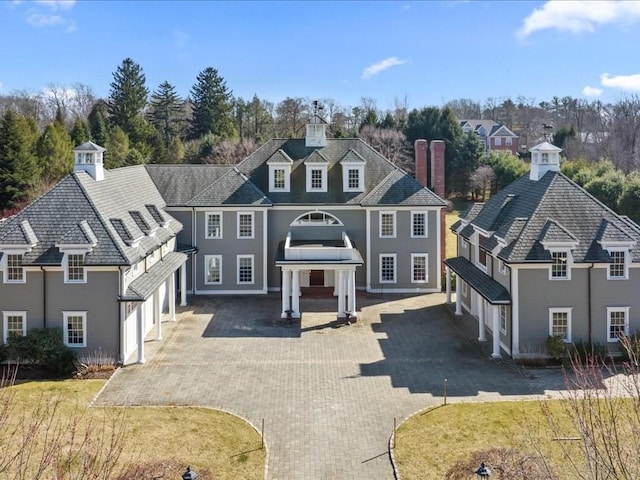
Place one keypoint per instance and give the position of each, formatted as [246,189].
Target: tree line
[211,125]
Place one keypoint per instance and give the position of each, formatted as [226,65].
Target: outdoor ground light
[189,474]
[483,471]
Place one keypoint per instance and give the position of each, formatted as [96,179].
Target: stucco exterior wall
[185,237]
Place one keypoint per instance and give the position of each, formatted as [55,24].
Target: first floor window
[75,329]
[418,267]
[15,270]
[75,268]
[245,225]
[560,323]
[14,323]
[213,269]
[503,319]
[387,268]
[418,224]
[245,269]
[617,323]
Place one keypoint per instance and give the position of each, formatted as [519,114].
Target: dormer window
[279,172]
[316,177]
[561,261]
[352,172]
[278,179]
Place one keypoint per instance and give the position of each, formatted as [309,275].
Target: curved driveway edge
[328,395]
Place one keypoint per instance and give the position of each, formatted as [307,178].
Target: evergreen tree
[80,132]
[128,96]
[166,112]
[176,151]
[98,124]
[117,148]
[18,162]
[212,107]
[629,201]
[55,152]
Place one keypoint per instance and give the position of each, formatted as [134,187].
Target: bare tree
[465,108]
[389,142]
[481,180]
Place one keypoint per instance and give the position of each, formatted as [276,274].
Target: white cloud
[625,82]
[591,91]
[38,19]
[48,13]
[381,66]
[57,4]
[579,16]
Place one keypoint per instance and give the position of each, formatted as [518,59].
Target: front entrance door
[316,278]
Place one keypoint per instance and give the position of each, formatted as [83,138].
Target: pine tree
[128,96]
[117,148]
[55,152]
[98,124]
[18,162]
[80,132]
[166,112]
[212,107]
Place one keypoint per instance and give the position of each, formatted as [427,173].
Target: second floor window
[245,225]
[617,267]
[559,268]
[75,268]
[418,224]
[214,225]
[387,224]
[15,270]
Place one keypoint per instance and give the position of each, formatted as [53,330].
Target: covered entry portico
[337,259]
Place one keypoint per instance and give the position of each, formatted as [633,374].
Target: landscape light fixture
[483,471]
[189,474]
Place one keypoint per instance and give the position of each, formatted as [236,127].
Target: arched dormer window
[315,219]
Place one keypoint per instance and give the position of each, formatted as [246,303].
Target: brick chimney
[420,148]
[437,167]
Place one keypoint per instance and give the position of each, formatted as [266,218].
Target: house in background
[494,136]
[95,256]
[99,254]
[545,258]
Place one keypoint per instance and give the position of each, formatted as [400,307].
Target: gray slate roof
[142,287]
[80,210]
[551,209]
[486,286]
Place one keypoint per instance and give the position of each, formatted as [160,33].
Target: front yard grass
[205,439]
[434,440]
[458,205]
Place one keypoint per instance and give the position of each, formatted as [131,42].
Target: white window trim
[394,216]
[627,258]
[569,265]
[465,243]
[395,267]
[611,310]
[206,226]
[497,141]
[502,267]
[5,323]
[253,226]
[487,257]
[502,314]
[426,230]
[508,141]
[465,292]
[65,326]
[426,267]
[345,177]
[206,269]
[253,269]
[65,265]
[566,310]
[323,169]
[5,267]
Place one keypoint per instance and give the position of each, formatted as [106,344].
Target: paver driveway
[328,395]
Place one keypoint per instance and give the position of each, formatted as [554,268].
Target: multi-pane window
[617,267]
[75,326]
[559,268]
[278,179]
[387,224]
[482,253]
[245,269]
[15,270]
[560,323]
[617,322]
[15,323]
[213,269]
[503,319]
[245,225]
[508,141]
[418,267]
[214,225]
[387,268]
[418,224]
[316,178]
[353,178]
[498,141]
[75,267]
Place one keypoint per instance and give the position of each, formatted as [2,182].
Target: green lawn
[452,217]
[203,438]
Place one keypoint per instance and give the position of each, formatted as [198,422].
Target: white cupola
[316,128]
[545,157]
[89,158]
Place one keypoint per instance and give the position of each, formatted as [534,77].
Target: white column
[448,284]
[140,332]
[352,293]
[172,297]
[341,294]
[482,334]
[496,332]
[183,284]
[295,294]
[286,292]
[458,295]
[336,279]
[157,315]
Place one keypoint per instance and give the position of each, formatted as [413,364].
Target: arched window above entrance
[315,219]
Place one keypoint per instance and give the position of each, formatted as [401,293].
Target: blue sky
[426,52]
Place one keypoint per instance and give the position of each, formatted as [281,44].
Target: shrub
[42,347]
[588,351]
[556,347]
[504,463]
